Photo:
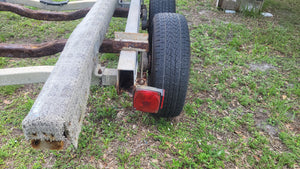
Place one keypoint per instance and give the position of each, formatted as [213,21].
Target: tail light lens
[148,99]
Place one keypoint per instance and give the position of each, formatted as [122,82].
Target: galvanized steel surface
[128,59]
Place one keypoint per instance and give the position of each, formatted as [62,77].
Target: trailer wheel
[155,7]
[161,6]
[170,61]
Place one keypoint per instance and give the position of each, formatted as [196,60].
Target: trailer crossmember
[51,48]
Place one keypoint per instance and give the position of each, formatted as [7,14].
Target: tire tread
[170,61]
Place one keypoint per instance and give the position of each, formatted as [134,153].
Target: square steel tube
[128,62]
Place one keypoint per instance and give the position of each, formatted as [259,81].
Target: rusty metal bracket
[53,16]
[131,41]
[133,37]
[115,46]
[51,48]
[134,46]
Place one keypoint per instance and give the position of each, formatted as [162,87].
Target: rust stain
[50,145]
[51,48]
[119,45]
[26,51]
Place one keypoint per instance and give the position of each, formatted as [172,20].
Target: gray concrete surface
[58,112]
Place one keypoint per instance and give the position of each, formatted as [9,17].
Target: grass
[241,111]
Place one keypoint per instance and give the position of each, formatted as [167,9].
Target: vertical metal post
[128,64]
[58,112]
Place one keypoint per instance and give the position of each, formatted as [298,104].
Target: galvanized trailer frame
[57,114]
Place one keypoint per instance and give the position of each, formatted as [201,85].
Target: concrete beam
[57,114]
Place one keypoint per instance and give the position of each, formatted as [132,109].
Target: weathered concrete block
[58,112]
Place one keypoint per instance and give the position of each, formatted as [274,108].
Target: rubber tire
[155,7]
[170,61]
[161,6]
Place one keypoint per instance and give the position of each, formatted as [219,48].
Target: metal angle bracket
[133,37]
[104,76]
[135,41]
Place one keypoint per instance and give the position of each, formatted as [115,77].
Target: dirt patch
[271,130]
[196,17]
[261,67]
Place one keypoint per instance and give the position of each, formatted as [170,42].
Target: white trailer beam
[24,75]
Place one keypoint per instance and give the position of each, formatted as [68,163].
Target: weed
[123,156]
[292,142]
[3,62]
[9,90]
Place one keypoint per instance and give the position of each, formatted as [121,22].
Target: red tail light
[148,99]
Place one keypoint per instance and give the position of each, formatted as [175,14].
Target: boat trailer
[153,66]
